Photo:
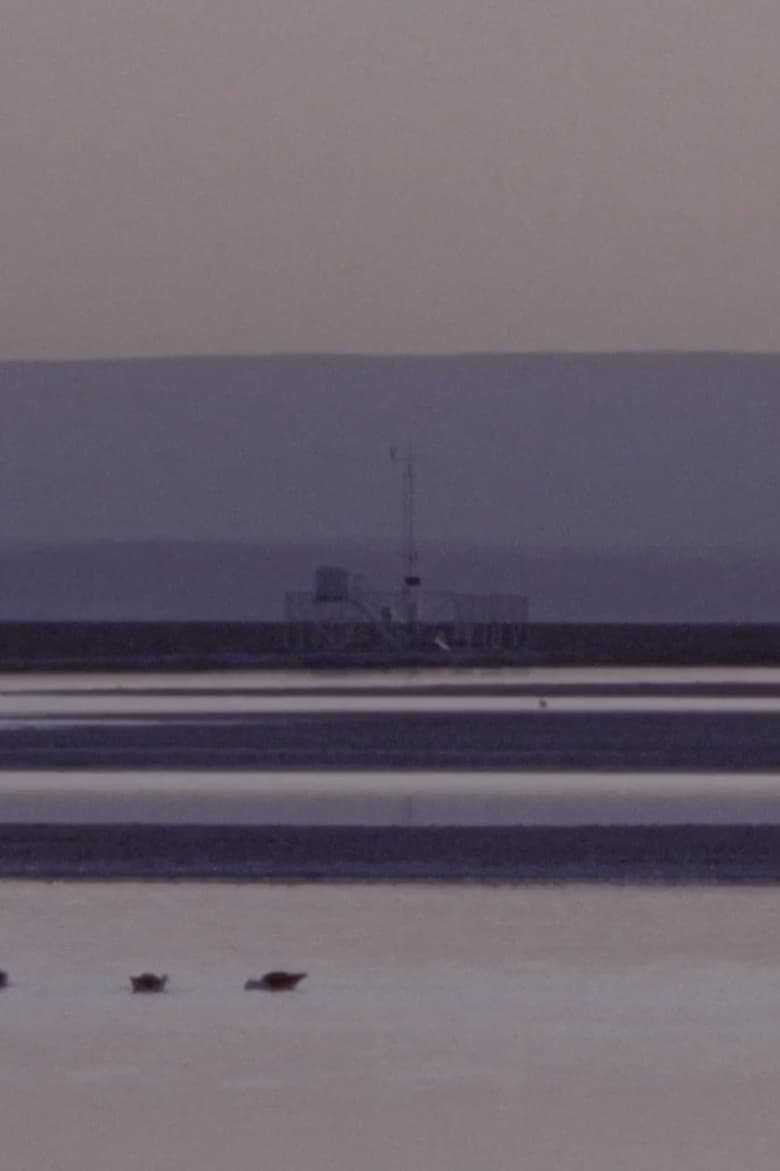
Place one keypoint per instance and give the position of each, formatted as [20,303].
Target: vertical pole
[411,579]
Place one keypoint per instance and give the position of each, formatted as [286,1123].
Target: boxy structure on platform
[339,614]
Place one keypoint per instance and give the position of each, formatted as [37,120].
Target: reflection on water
[395,678]
[382,798]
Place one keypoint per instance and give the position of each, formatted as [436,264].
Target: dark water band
[672,854]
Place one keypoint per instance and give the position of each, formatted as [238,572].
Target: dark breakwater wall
[655,644]
[205,645]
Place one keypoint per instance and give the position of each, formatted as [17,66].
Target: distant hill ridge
[628,486]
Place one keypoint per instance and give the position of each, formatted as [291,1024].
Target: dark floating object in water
[3,979]
[148,982]
[275,981]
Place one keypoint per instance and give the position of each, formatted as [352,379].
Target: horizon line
[389,356]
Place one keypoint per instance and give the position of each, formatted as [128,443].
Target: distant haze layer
[223,581]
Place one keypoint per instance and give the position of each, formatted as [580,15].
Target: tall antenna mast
[411,577]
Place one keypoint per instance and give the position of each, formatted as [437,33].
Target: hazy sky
[388,175]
